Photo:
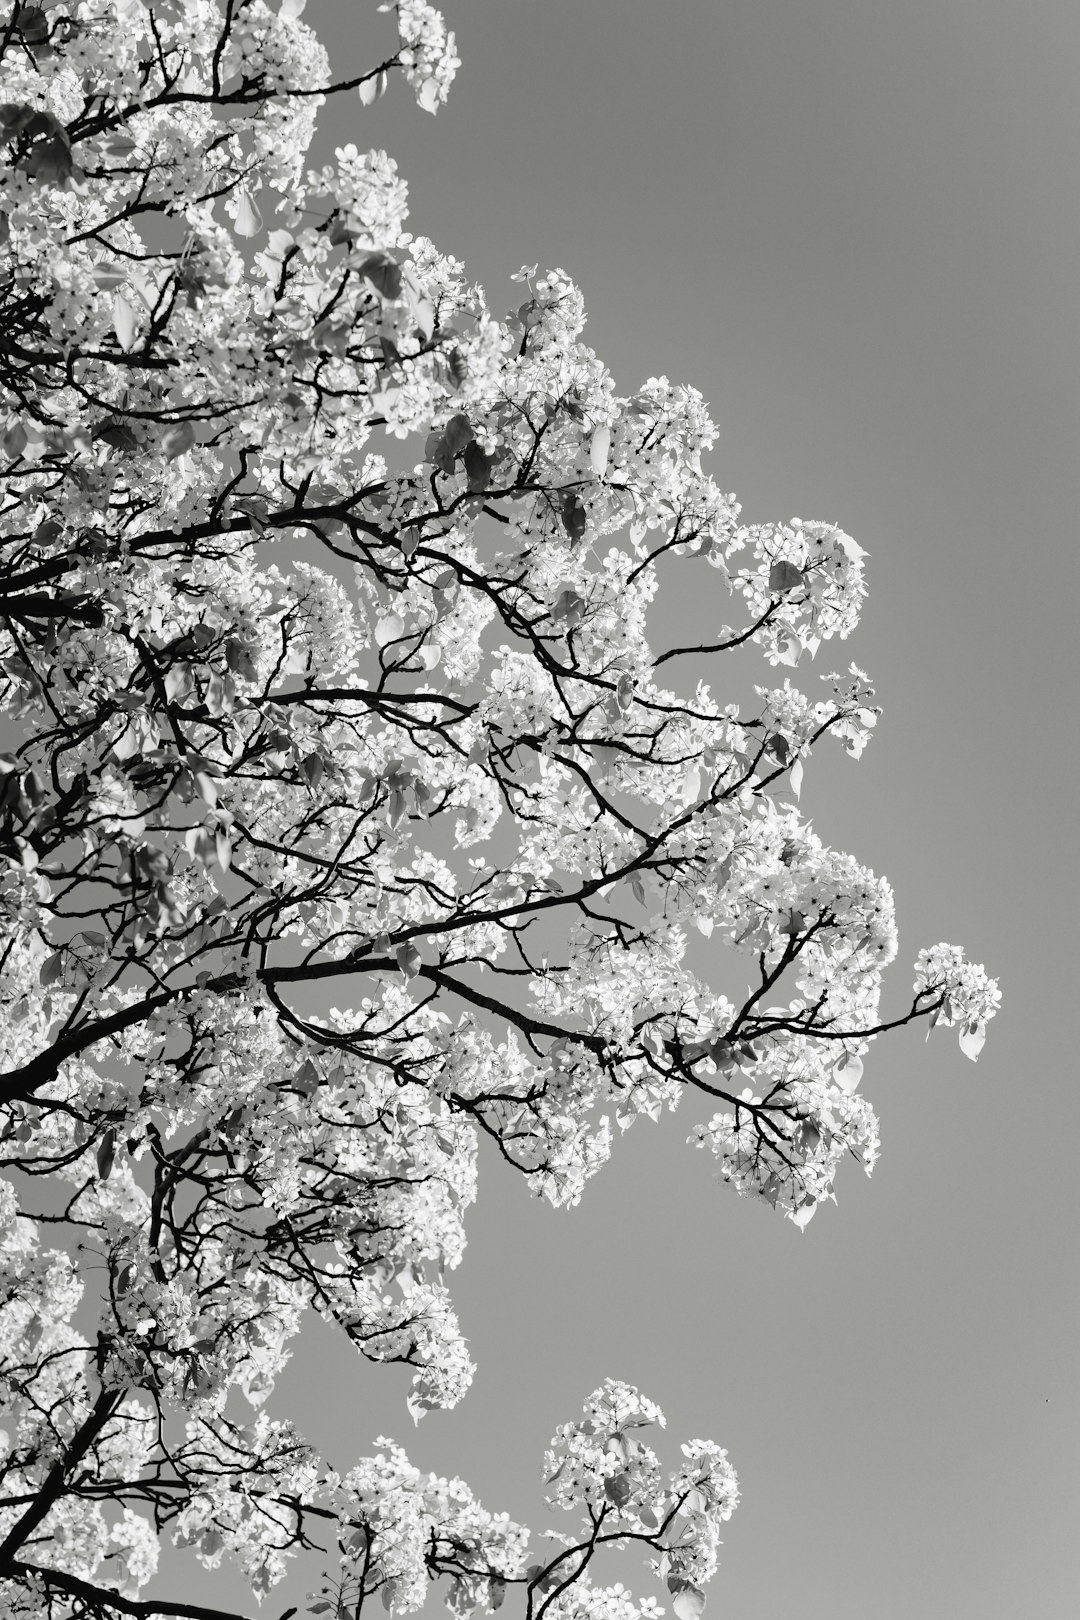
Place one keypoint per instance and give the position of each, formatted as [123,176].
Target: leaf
[15,441]
[428,95]
[624,692]
[207,790]
[106,1154]
[569,606]
[177,440]
[384,273]
[248,220]
[307,1078]
[217,701]
[110,276]
[388,629]
[372,88]
[197,843]
[50,161]
[574,515]
[291,10]
[688,1603]
[691,785]
[796,777]
[313,768]
[408,959]
[478,467]
[223,849]
[423,311]
[117,434]
[848,1072]
[600,449]
[617,1489]
[51,968]
[32,24]
[457,434]
[972,1039]
[784,576]
[123,319]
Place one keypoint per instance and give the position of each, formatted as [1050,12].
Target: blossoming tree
[349,813]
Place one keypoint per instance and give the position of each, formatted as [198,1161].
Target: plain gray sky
[854,226]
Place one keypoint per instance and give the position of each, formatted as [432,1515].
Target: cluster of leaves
[319,773]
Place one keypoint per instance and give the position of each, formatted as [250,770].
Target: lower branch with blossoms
[385,1528]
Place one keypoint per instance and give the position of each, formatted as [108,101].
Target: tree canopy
[352,814]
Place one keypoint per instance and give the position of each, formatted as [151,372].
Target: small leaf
[972,1039]
[574,515]
[51,968]
[569,606]
[478,467]
[177,440]
[15,440]
[796,777]
[408,959]
[457,434]
[428,95]
[110,276]
[223,849]
[424,315]
[617,1489]
[600,449]
[784,576]
[117,434]
[207,790]
[50,161]
[248,221]
[372,88]
[307,1078]
[848,1072]
[313,768]
[691,785]
[123,319]
[688,1603]
[384,273]
[391,627]
[106,1154]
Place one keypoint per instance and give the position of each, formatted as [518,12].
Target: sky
[853,225]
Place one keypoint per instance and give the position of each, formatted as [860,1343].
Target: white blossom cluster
[349,813]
